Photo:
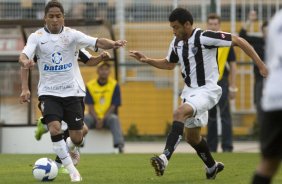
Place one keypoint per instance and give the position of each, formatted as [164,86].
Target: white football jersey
[59,73]
[198,57]
[272,93]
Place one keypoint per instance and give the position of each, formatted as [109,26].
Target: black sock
[57,138]
[66,134]
[204,153]
[259,179]
[173,138]
[58,160]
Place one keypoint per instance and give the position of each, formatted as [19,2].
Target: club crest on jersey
[194,50]
[57,58]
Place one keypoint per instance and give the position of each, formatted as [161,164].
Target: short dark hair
[214,16]
[104,63]
[181,15]
[54,3]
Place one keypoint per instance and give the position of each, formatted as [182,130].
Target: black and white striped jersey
[198,56]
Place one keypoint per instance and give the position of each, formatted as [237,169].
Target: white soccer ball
[45,169]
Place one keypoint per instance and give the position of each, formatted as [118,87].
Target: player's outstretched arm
[93,61]
[25,62]
[249,50]
[105,43]
[158,63]
[25,94]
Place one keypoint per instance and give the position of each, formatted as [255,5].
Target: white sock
[60,149]
[163,157]
[211,169]
[71,168]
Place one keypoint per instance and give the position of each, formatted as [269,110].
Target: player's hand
[25,96]
[27,63]
[138,55]
[263,70]
[105,56]
[119,43]
[99,124]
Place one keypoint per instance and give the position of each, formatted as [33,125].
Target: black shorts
[68,109]
[271,134]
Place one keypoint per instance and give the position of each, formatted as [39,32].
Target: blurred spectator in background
[102,6]
[226,64]
[103,99]
[258,42]
[77,11]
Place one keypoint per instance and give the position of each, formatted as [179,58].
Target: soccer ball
[45,169]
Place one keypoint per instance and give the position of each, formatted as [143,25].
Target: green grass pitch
[136,169]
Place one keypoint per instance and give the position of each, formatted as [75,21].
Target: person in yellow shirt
[226,65]
[103,99]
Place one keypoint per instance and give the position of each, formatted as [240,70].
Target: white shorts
[201,99]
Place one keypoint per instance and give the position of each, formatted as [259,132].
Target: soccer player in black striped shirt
[195,50]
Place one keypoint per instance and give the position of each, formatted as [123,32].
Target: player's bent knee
[85,130]
[179,115]
[54,128]
[77,140]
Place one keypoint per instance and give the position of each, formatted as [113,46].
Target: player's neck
[54,32]
[189,34]
[102,81]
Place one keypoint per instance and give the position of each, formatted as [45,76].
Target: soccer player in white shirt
[271,123]
[61,88]
[195,50]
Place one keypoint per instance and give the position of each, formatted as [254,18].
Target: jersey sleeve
[172,56]
[216,39]
[88,98]
[30,46]
[84,41]
[231,55]
[84,55]
[116,99]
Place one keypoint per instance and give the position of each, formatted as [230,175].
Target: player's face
[103,72]
[213,24]
[182,32]
[54,20]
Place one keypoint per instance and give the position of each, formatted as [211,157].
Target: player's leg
[266,169]
[175,135]
[112,123]
[73,116]
[41,128]
[212,137]
[53,112]
[271,150]
[201,101]
[194,138]
[58,161]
